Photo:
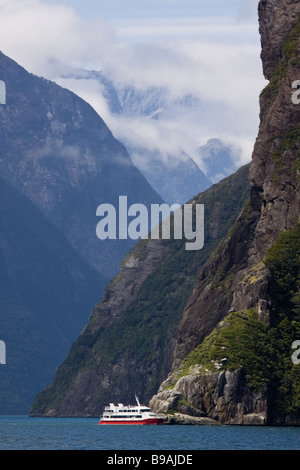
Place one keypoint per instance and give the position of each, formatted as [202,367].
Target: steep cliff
[243,314]
[128,344]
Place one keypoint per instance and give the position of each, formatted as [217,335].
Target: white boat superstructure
[129,414]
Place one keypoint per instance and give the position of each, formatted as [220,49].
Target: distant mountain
[133,101]
[177,181]
[47,291]
[174,175]
[58,152]
[218,160]
[130,101]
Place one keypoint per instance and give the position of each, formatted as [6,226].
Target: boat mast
[137,400]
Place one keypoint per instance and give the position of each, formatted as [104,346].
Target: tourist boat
[129,414]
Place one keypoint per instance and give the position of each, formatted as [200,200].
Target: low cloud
[207,61]
[225,89]
[35,33]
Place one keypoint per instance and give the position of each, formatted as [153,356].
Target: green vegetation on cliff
[262,349]
[283,261]
[238,341]
[289,140]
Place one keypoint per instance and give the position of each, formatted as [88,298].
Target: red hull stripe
[142,421]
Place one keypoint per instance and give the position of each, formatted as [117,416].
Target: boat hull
[126,422]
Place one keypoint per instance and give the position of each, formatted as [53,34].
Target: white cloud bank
[214,59]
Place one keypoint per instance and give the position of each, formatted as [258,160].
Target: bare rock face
[122,291]
[275,20]
[221,398]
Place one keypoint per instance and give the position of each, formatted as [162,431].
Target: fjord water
[23,433]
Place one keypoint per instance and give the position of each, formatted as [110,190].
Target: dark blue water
[23,433]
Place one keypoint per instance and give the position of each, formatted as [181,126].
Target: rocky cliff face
[237,278]
[216,398]
[276,17]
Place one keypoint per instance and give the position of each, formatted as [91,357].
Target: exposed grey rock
[275,20]
[221,397]
[184,419]
[166,400]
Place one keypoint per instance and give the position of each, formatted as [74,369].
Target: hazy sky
[164,8]
[206,48]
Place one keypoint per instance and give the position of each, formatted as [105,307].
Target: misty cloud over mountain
[181,81]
